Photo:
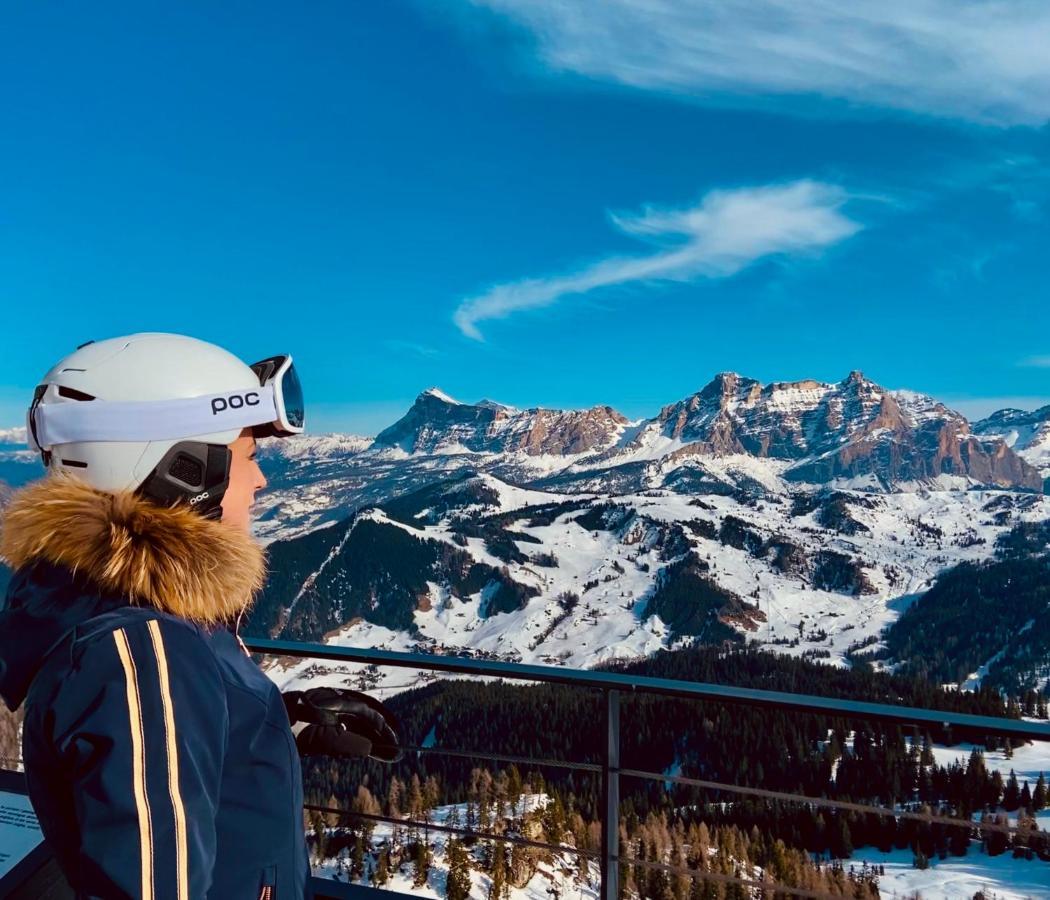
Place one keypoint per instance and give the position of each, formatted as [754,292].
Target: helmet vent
[187,470]
[73,394]
[75,463]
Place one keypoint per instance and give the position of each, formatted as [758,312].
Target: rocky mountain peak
[438,424]
[436,395]
[725,386]
[850,429]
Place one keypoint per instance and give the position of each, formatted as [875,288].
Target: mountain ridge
[849,429]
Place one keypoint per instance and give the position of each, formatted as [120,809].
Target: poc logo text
[234,401]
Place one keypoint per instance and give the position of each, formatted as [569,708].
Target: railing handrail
[689,690]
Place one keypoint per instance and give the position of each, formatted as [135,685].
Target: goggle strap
[152,420]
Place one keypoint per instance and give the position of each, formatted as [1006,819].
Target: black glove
[341,722]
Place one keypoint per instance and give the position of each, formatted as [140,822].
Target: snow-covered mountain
[1026,433]
[18,464]
[853,430]
[438,424]
[476,566]
[735,434]
[805,515]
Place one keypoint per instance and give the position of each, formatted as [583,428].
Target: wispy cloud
[412,348]
[1036,362]
[727,231]
[981,60]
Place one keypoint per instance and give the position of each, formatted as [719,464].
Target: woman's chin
[242,519]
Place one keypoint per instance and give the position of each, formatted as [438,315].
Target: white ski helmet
[155,413]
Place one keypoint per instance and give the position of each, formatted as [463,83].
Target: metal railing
[613,685]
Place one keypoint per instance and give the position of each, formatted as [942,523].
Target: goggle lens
[292,391]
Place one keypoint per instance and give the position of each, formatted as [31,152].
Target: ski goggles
[279,372]
[274,409]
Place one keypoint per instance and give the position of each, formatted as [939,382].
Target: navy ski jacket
[159,758]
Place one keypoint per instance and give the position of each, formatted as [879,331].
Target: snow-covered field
[959,878]
[904,541]
[1027,762]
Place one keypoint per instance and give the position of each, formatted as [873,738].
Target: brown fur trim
[167,557]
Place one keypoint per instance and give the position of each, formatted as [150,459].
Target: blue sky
[512,199]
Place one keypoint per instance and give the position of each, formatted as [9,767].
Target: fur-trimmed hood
[166,557]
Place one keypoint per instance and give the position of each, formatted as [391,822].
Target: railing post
[610,863]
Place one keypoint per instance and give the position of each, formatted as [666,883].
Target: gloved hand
[340,722]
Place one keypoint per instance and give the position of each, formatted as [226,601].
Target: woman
[159,759]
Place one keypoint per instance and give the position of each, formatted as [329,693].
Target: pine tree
[382,873]
[498,888]
[421,864]
[431,795]
[554,820]
[484,800]
[993,791]
[357,859]
[514,788]
[926,757]
[394,797]
[415,798]
[332,819]
[842,843]
[365,802]
[320,835]
[1039,797]
[458,883]
[1012,794]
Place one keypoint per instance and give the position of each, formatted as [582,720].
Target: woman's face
[245,479]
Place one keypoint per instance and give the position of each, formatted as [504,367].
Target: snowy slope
[767,552]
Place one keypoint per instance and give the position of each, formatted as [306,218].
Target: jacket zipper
[268,891]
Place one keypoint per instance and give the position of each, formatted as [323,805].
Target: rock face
[438,424]
[894,450]
[1026,433]
[782,420]
[851,429]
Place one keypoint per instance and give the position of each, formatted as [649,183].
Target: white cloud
[1036,362]
[412,348]
[728,231]
[981,60]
